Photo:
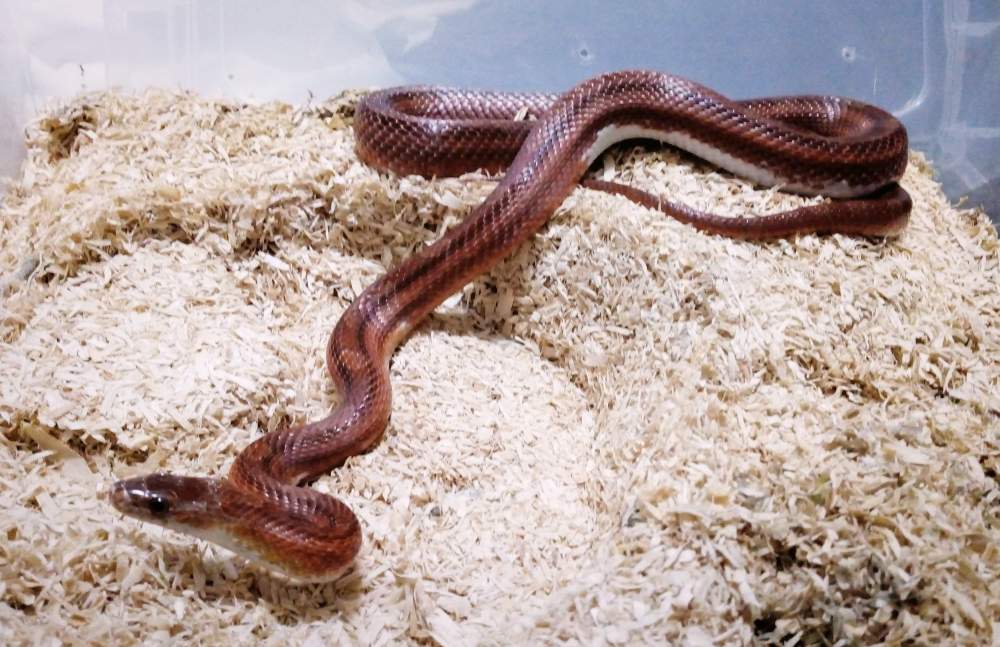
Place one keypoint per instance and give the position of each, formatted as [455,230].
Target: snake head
[179,502]
[315,541]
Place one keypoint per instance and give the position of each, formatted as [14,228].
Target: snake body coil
[812,145]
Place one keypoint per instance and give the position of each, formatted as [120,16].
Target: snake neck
[266,516]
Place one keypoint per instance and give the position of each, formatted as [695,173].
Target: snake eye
[158,505]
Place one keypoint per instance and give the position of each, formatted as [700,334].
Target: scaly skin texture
[817,145]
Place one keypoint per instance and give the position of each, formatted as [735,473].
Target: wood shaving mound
[629,432]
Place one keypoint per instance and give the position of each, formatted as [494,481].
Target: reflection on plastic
[931,63]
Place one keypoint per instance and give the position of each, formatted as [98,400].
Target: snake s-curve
[812,145]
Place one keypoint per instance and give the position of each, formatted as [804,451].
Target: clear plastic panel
[936,63]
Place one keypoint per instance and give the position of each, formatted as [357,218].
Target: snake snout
[115,494]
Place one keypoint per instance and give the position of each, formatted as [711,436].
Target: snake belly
[813,145]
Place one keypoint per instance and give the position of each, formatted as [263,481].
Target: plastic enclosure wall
[934,63]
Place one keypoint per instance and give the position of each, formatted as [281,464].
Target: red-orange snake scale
[829,146]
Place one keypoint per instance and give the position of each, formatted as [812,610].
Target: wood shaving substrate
[629,432]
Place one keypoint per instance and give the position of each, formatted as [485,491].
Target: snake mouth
[114,495]
[105,493]
[117,495]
